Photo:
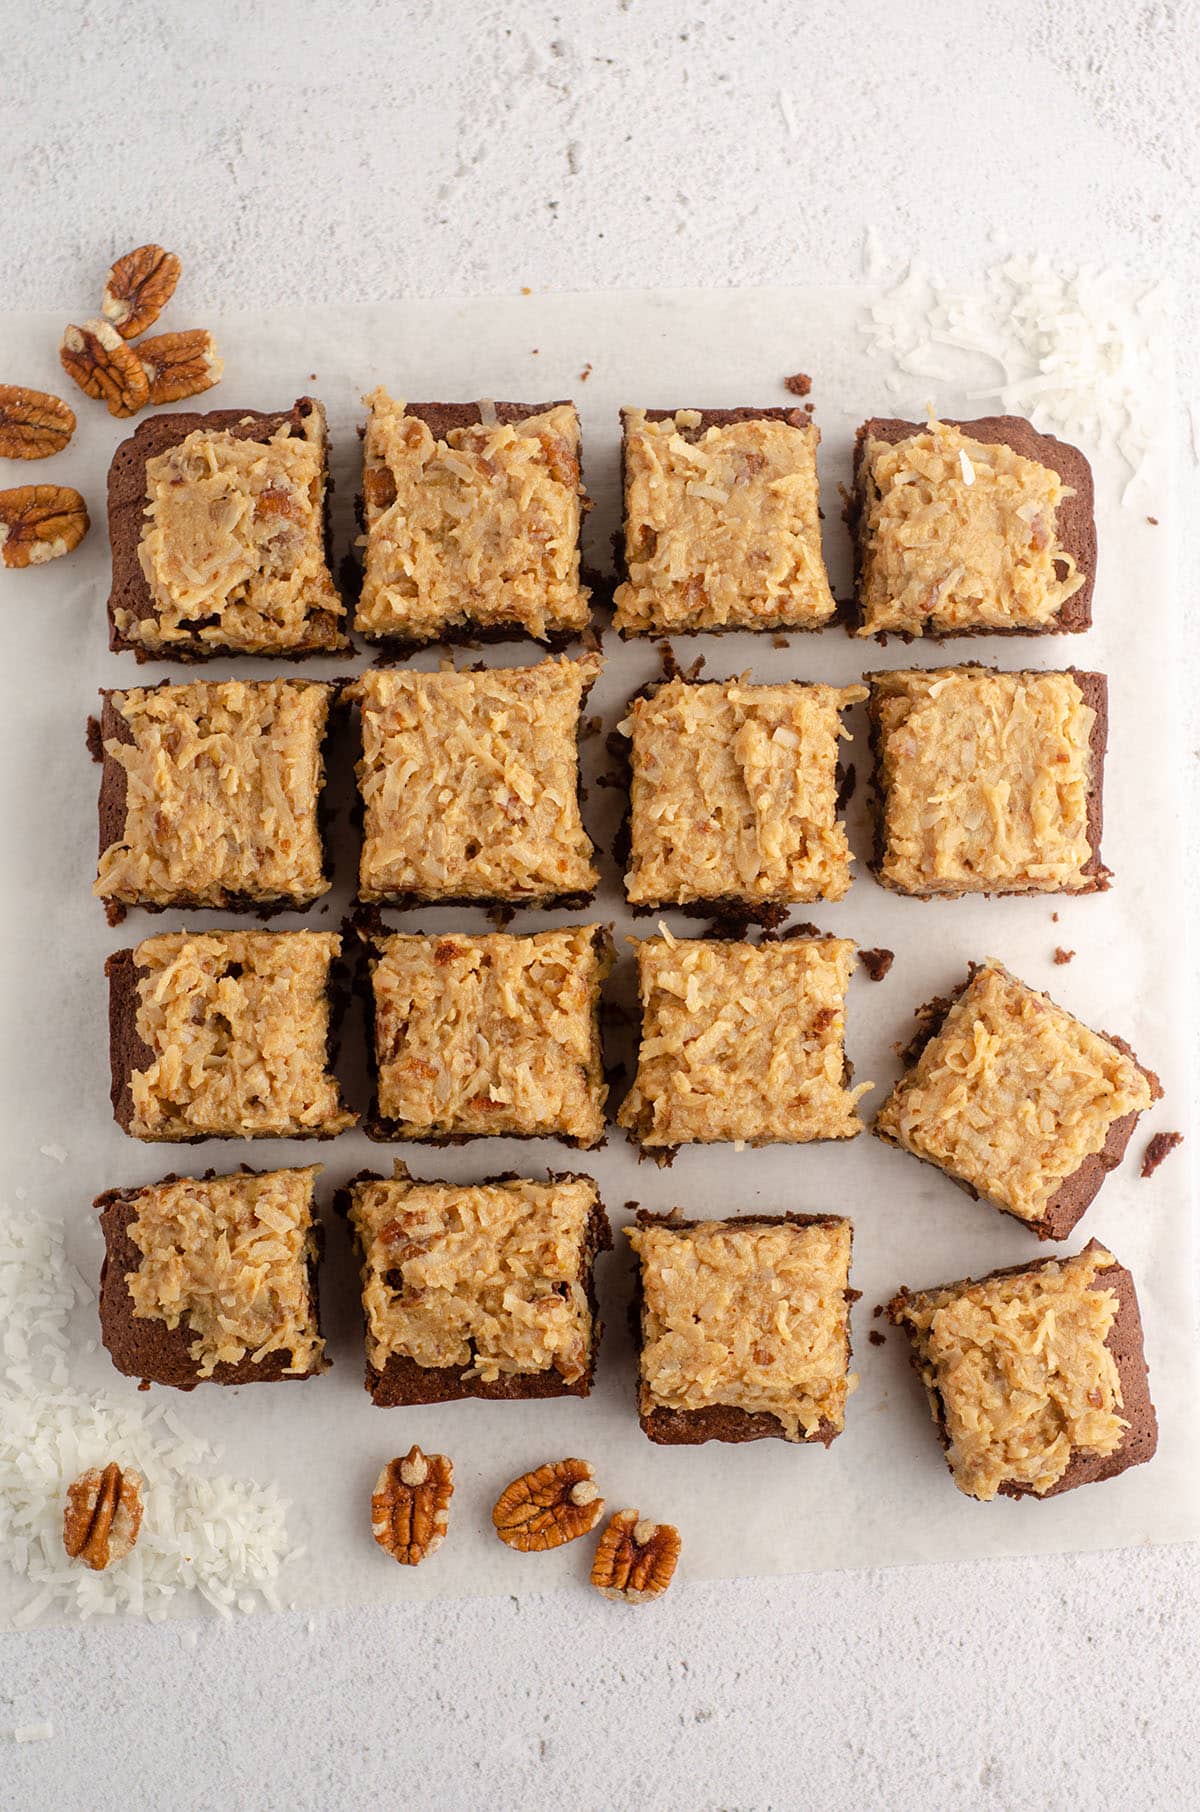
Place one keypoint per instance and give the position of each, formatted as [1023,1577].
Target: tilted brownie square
[970,528]
[1017,1101]
[743,1327]
[478,1290]
[225,1035]
[213,1279]
[210,796]
[219,526]
[1036,1375]
[473,513]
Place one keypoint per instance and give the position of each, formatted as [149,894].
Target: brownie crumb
[586,373]
[1062,956]
[1153,521]
[1161,1146]
[877,1311]
[808,408]
[1054,918]
[95,741]
[632,1207]
[877,962]
[876,1338]
[799,383]
[780,641]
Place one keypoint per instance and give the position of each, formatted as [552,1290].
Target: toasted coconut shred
[480,528]
[233,548]
[488,1279]
[222,782]
[470,782]
[748,1317]
[735,793]
[1018,1372]
[985,780]
[1011,1094]
[229,1256]
[959,534]
[238,1026]
[721,526]
[742,1042]
[203,1531]
[493,1034]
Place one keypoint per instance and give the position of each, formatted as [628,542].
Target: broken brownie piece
[1036,1375]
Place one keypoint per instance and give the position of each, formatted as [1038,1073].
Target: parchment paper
[881,1494]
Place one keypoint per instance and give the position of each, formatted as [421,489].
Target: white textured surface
[296,152]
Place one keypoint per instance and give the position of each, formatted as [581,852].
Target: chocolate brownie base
[148,1349]
[440,419]
[404,1384]
[1094,688]
[713,418]
[126,514]
[1125,1343]
[1075,519]
[720,1422]
[1074,1196]
[127,1051]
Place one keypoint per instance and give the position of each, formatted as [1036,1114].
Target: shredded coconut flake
[34,1733]
[222,1537]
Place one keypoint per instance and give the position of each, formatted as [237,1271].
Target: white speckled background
[292,152]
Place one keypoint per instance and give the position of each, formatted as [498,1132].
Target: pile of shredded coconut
[1072,350]
[223,1537]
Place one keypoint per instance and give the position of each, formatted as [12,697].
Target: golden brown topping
[40,522]
[491,1279]
[233,545]
[742,1042]
[33,423]
[985,780]
[178,365]
[138,288]
[1011,1094]
[103,1515]
[959,534]
[493,1034]
[754,1317]
[635,1559]
[470,782]
[479,528]
[548,1507]
[222,782]
[721,526]
[410,1506]
[735,793]
[238,1026]
[1018,1371]
[104,367]
[231,1257]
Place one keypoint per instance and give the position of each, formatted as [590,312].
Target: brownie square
[722,522]
[473,514]
[225,1035]
[491,1035]
[1036,1375]
[470,785]
[970,528]
[1017,1101]
[478,1290]
[210,795]
[219,527]
[988,782]
[734,794]
[213,1279]
[743,1327]
[742,1042]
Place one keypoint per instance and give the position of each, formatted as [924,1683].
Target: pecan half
[635,1559]
[548,1507]
[410,1506]
[138,288]
[180,364]
[33,424]
[103,366]
[40,522]
[103,1515]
